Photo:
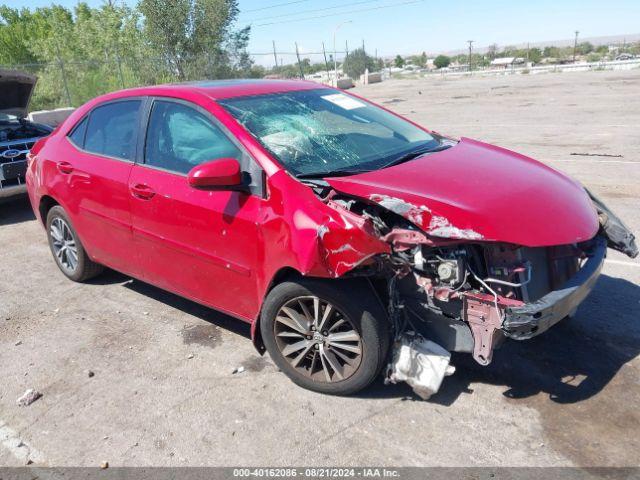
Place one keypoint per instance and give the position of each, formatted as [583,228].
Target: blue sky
[403,27]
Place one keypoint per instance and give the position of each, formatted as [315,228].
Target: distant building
[458,67]
[506,62]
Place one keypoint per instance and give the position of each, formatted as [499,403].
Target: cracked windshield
[321,132]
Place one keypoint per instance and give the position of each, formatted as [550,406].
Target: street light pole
[335,59]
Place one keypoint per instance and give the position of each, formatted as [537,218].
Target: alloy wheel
[64,244]
[317,339]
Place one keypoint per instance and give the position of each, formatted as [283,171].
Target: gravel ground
[163,392]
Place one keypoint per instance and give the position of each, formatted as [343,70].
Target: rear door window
[112,130]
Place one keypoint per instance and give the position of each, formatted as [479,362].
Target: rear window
[112,129]
[78,133]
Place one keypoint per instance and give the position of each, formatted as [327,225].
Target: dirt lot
[569,397]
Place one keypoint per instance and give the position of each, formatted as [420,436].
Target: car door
[93,166]
[198,243]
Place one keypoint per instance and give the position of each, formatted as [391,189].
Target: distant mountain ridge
[601,40]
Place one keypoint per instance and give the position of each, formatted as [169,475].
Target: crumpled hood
[15,92]
[476,191]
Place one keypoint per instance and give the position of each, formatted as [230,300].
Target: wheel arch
[47,202]
[282,275]
[291,274]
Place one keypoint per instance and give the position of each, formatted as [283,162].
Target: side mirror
[220,174]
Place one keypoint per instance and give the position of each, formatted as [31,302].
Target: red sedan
[330,224]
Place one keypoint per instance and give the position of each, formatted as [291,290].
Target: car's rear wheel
[327,336]
[67,250]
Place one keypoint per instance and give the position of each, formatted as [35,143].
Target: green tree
[535,55]
[19,29]
[441,61]
[191,33]
[585,48]
[92,43]
[91,38]
[551,52]
[357,62]
[399,61]
[89,51]
[419,60]
[594,57]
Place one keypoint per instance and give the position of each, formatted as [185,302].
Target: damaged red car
[348,237]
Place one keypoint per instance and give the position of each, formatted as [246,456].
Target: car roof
[220,89]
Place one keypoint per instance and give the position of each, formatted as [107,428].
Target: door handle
[142,191]
[65,167]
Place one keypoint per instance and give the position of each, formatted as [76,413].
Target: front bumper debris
[619,237]
[526,321]
[419,362]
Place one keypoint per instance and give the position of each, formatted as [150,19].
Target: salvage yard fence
[567,67]
[70,83]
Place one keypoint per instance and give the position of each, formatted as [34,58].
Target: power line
[352,4]
[275,6]
[279,53]
[339,13]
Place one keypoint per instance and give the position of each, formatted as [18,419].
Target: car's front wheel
[67,250]
[330,336]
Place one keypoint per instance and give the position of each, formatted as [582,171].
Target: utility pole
[575,46]
[64,75]
[527,52]
[363,50]
[346,49]
[470,42]
[275,55]
[326,64]
[335,53]
[299,64]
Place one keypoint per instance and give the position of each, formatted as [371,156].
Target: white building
[505,62]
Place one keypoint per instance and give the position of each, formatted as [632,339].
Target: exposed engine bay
[17,134]
[465,294]
[16,139]
[20,130]
[443,288]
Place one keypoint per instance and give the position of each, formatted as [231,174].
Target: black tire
[353,300]
[84,268]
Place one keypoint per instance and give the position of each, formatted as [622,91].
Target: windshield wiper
[401,159]
[331,173]
[415,154]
